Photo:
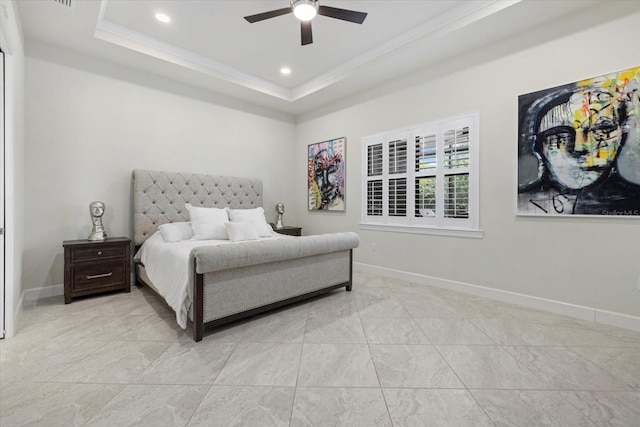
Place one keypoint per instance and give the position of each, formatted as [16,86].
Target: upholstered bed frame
[230,282]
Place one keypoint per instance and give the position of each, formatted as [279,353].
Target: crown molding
[465,14]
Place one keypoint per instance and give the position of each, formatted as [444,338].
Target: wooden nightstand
[91,267]
[288,230]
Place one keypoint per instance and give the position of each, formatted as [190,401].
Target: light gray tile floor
[389,353]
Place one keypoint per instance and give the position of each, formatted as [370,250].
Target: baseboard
[576,311]
[39,293]
[49,291]
[617,319]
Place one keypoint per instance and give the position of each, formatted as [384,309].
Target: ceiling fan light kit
[305,11]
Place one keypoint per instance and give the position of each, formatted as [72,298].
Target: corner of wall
[11,41]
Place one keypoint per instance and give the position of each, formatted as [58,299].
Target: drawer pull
[98,276]
[99,252]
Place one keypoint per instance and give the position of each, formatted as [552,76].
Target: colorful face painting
[325,177]
[579,148]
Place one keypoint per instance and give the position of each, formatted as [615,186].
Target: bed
[214,281]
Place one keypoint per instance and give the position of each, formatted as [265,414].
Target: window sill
[436,231]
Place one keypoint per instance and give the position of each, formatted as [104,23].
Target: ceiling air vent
[66,3]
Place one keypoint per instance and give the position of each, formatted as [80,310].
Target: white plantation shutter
[456,173]
[426,164]
[456,196]
[397,183]
[375,186]
[423,178]
[398,197]
[456,148]
[425,191]
[397,157]
[374,197]
[426,159]
[374,160]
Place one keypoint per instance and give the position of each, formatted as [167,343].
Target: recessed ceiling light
[163,17]
[285,70]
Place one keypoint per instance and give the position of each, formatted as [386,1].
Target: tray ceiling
[209,45]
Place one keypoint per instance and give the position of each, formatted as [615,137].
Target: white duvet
[167,266]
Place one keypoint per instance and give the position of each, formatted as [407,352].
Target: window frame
[412,223]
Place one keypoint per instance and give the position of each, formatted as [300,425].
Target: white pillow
[240,231]
[255,217]
[176,231]
[208,223]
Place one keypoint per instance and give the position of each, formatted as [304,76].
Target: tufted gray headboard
[159,197]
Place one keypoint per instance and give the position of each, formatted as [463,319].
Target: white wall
[590,262]
[12,44]
[87,131]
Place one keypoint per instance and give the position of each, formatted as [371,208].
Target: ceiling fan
[305,11]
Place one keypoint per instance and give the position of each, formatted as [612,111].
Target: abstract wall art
[325,175]
[579,148]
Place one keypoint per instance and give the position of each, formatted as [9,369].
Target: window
[423,179]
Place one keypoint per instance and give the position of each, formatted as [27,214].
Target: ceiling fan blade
[305,31]
[344,14]
[267,15]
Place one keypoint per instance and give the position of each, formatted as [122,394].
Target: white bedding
[167,266]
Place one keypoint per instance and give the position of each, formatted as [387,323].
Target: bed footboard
[223,296]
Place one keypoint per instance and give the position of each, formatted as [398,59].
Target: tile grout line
[295,388]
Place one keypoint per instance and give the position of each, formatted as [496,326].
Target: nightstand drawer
[97,275]
[91,254]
